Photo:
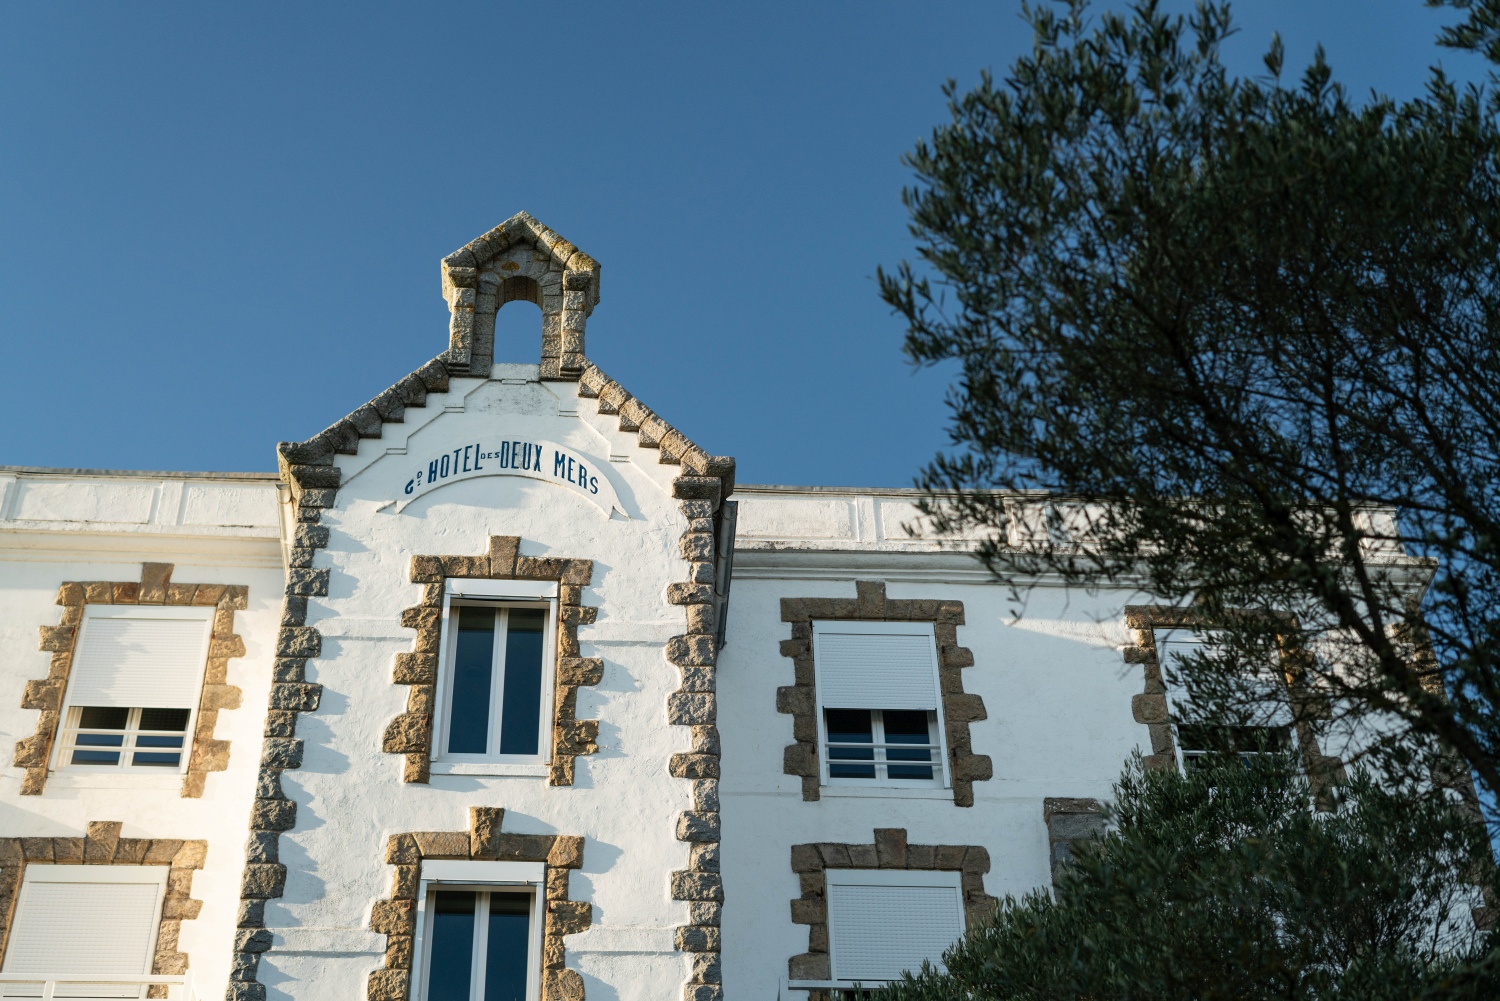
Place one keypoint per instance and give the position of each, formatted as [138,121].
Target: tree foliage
[1225,884]
[1241,339]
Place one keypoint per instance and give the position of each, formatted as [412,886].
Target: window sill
[114,778]
[885,792]
[499,769]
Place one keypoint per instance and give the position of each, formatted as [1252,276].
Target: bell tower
[519,259]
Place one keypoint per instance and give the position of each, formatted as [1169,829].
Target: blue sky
[220,224]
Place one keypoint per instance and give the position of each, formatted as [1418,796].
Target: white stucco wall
[350,794]
[64,526]
[1055,687]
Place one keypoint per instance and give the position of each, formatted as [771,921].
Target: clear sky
[220,224]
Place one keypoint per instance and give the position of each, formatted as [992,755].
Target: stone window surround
[1071,824]
[799,700]
[483,841]
[103,846]
[411,733]
[1150,707]
[889,850]
[155,588]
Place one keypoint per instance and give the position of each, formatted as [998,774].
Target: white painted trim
[942,779]
[895,877]
[496,769]
[43,872]
[470,587]
[448,643]
[481,876]
[484,873]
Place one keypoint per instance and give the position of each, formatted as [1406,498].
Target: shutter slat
[145,662]
[875,670]
[878,931]
[84,929]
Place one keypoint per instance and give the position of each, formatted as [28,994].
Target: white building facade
[457,705]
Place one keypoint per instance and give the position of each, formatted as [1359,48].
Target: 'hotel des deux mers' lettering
[503,689]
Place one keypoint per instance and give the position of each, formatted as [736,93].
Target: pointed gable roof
[518,259]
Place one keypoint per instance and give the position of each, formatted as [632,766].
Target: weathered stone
[296,697]
[890,847]
[304,581]
[689,708]
[299,641]
[273,815]
[263,880]
[696,825]
[696,886]
[696,938]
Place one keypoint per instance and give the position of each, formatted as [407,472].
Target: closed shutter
[875,665]
[877,931]
[151,661]
[69,924]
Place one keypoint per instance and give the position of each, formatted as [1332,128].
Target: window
[1197,741]
[1268,729]
[881,922]
[133,688]
[479,931]
[878,703]
[498,671]
[85,921]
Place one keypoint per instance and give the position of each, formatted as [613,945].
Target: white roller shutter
[889,922]
[875,665]
[86,920]
[147,657]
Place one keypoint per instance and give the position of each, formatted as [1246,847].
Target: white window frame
[41,872]
[481,877]
[941,778]
[496,594]
[932,878]
[65,731]
[1183,637]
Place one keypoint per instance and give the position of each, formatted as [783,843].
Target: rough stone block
[694,766]
[696,825]
[689,708]
[687,885]
[890,847]
[696,938]
[263,880]
[566,852]
[808,966]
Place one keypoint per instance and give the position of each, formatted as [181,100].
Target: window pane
[102,718]
[506,946]
[452,945]
[158,758]
[907,726]
[850,726]
[473,668]
[520,714]
[173,720]
[1225,739]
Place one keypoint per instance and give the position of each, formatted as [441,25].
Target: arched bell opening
[518,319]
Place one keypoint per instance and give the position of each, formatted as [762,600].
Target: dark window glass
[1200,740]
[850,726]
[907,726]
[103,718]
[452,956]
[99,718]
[505,949]
[172,720]
[473,668]
[521,708]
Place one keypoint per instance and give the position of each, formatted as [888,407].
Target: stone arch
[519,259]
